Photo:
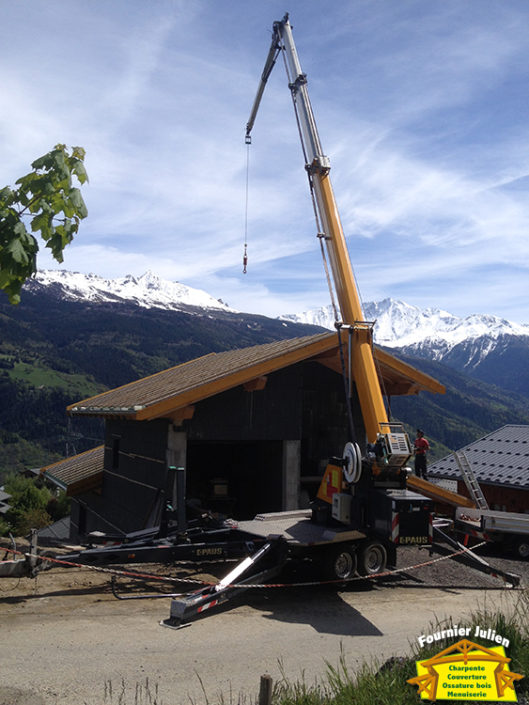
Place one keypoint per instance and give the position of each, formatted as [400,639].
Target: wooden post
[265,690]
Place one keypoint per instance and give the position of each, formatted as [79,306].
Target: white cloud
[420,106]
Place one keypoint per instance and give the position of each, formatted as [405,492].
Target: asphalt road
[65,638]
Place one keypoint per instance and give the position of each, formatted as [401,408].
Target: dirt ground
[65,638]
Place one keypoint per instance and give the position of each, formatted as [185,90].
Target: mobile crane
[364,507]
[388,448]
[392,446]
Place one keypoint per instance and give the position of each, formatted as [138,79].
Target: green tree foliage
[31,506]
[48,201]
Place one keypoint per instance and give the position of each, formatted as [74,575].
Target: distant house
[253,429]
[500,462]
[4,505]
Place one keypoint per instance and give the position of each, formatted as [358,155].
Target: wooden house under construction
[253,429]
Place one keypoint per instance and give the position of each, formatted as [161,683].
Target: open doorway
[237,478]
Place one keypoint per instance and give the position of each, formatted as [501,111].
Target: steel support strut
[266,563]
[469,558]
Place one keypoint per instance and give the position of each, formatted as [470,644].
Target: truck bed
[297,528]
[493,520]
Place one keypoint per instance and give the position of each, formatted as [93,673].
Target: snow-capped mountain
[400,325]
[487,348]
[147,291]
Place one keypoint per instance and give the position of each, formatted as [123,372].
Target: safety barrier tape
[112,571]
[166,578]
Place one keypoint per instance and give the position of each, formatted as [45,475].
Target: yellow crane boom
[317,165]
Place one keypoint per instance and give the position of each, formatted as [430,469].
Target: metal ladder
[470,480]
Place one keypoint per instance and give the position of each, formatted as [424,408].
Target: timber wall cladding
[135,470]
[271,413]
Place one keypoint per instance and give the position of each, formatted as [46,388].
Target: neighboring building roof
[58,532]
[79,473]
[500,458]
[30,472]
[178,387]
[4,496]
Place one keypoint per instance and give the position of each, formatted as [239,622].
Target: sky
[421,107]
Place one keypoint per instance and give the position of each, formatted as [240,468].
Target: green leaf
[55,243]
[41,222]
[78,203]
[17,251]
[79,170]
[46,192]
[43,162]
[6,197]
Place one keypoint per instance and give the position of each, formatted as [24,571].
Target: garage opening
[236,478]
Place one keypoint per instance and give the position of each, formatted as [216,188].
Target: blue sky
[421,106]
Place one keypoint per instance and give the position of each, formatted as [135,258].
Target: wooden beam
[438,493]
[180,415]
[255,385]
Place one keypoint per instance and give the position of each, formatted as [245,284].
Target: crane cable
[245,254]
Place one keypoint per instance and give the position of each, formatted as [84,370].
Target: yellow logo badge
[466,671]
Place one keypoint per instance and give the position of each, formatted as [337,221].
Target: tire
[339,563]
[521,548]
[372,558]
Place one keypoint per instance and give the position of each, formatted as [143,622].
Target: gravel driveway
[66,639]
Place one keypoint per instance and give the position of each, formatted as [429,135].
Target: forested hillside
[55,352]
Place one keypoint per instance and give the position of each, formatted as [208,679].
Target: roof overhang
[171,391]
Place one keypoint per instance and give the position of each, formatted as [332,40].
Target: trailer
[510,530]
[339,555]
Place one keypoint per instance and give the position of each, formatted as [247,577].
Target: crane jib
[328,223]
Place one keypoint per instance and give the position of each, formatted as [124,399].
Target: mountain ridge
[399,325]
[57,349]
[148,290]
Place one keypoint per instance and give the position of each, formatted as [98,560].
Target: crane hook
[244,259]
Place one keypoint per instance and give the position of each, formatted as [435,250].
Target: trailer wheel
[521,548]
[372,558]
[339,563]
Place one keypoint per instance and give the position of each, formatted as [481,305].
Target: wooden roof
[165,393]
[78,473]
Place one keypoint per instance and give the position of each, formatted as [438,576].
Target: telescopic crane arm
[318,167]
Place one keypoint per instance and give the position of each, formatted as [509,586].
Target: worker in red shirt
[421,447]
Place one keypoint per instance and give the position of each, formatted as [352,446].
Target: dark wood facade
[244,452]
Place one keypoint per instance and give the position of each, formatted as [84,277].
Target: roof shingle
[500,458]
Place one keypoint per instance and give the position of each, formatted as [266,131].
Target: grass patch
[43,377]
